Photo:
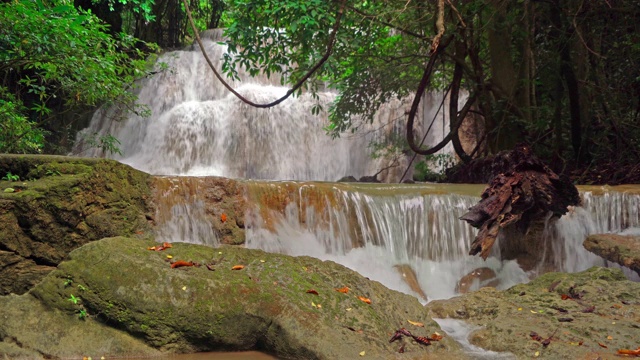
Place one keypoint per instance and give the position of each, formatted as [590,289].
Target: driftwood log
[525,190]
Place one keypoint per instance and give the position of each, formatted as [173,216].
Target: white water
[424,232]
[197,127]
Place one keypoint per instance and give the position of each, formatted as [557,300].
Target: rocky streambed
[78,279]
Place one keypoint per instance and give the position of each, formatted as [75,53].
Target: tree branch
[325,57]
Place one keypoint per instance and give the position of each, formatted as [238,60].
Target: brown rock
[624,250]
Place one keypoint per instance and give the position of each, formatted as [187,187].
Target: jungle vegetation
[563,76]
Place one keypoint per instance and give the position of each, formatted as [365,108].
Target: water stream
[198,129]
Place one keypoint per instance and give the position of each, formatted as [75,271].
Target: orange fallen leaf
[237,267]
[139,232]
[368,301]
[616,306]
[415,323]
[181,263]
[152,248]
[166,245]
[435,337]
[565,297]
[343,290]
[223,217]
[629,352]
[311,291]
[603,345]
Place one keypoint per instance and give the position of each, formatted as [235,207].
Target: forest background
[562,76]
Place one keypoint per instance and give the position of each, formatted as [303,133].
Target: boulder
[278,304]
[585,315]
[621,249]
[60,203]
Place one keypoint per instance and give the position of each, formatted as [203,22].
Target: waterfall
[372,228]
[197,127]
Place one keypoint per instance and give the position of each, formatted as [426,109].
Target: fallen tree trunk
[526,189]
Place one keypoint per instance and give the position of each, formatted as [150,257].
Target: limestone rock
[621,249]
[599,306]
[59,204]
[264,306]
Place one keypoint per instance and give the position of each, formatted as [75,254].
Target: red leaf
[311,291]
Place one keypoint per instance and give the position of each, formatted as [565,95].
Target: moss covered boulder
[585,315]
[266,305]
[50,205]
[621,249]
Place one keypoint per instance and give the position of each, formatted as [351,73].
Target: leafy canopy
[54,55]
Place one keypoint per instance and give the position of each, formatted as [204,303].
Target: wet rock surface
[55,204]
[264,306]
[621,249]
[585,315]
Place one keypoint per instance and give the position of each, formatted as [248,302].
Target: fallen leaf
[414,323]
[184,288]
[565,296]
[237,267]
[603,345]
[534,335]
[343,290]
[311,291]
[533,312]
[314,304]
[589,309]
[519,309]
[219,252]
[261,261]
[319,306]
[629,352]
[152,248]
[609,337]
[169,257]
[435,337]
[616,306]
[422,340]
[348,309]
[362,298]
[537,354]
[565,319]
[181,263]
[166,245]
[362,353]
[223,217]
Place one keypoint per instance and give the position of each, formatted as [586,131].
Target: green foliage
[53,55]
[432,167]
[11,177]
[82,314]
[73,299]
[107,143]
[17,133]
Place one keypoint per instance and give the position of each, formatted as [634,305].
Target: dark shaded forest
[561,76]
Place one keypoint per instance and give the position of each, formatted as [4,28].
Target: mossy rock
[264,306]
[588,314]
[61,203]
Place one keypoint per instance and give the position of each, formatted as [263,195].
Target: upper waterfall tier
[198,128]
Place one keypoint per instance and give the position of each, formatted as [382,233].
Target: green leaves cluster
[371,62]
[53,55]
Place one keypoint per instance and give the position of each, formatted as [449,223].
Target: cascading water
[374,228]
[198,128]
